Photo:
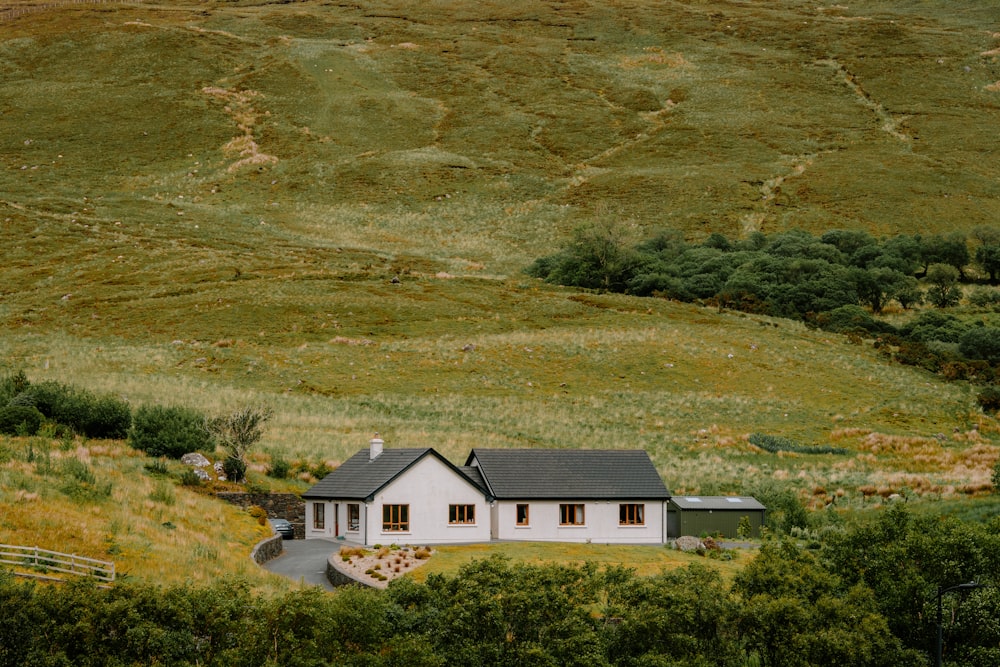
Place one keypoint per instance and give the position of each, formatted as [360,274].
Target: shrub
[984,296]
[981,343]
[190,478]
[156,468]
[259,513]
[169,431]
[279,468]
[235,468]
[85,413]
[989,398]
[20,420]
[12,385]
[80,483]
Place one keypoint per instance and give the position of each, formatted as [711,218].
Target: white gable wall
[601,522]
[429,487]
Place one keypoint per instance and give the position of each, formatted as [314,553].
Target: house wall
[601,523]
[335,519]
[429,487]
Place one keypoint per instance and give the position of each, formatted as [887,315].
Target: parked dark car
[283,528]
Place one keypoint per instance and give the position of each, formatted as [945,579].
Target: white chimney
[376,448]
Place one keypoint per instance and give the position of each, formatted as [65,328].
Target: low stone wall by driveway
[338,577]
[267,549]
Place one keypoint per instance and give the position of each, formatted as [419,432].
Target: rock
[195,459]
[202,475]
[687,543]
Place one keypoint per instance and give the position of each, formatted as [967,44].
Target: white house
[380,496]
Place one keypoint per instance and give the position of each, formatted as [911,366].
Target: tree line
[866,597]
[840,281]
[789,274]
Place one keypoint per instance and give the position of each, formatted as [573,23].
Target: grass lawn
[645,560]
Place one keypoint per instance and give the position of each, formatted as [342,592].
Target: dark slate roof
[582,474]
[717,503]
[472,472]
[359,478]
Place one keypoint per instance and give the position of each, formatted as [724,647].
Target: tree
[980,342]
[875,287]
[988,257]
[944,290]
[171,431]
[237,433]
[952,250]
[796,612]
[988,252]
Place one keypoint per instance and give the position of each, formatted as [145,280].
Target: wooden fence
[53,561]
[8,14]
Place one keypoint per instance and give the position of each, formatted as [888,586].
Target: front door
[336,519]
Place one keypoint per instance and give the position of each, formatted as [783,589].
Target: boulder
[688,543]
[195,459]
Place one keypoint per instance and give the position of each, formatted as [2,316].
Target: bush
[85,413]
[259,513]
[169,431]
[989,398]
[20,420]
[279,468]
[985,296]
[12,385]
[190,478]
[235,469]
[981,343]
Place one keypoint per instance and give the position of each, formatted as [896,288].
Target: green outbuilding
[714,515]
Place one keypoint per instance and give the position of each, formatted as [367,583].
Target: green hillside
[205,203]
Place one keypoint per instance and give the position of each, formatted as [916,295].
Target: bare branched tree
[238,433]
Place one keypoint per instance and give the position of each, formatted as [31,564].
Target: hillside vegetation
[206,204]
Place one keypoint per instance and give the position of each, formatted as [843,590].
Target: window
[395,518]
[461,513]
[571,515]
[353,517]
[319,516]
[632,514]
[522,515]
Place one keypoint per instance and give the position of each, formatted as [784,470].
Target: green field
[205,203]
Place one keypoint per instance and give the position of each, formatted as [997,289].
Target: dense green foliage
[838,281]
[80,410]
[866,598]
[20,420]
[171,431]
[791,274]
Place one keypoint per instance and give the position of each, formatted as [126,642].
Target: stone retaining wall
[338,577]
[278,505]
[267,549]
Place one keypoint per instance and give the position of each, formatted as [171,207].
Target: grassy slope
[204,203]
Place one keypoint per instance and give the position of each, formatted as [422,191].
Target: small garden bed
[381,564]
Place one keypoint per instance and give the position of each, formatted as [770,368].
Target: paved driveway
[305,561]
